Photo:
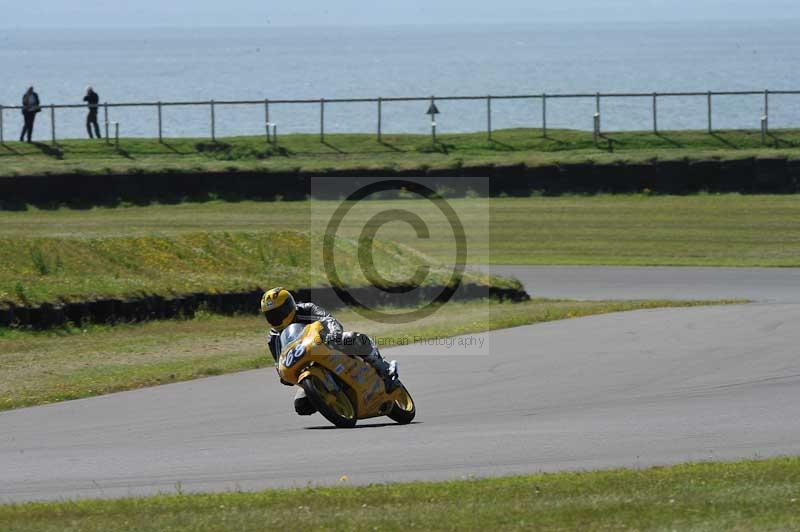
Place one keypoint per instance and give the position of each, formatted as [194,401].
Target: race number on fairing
[295,354]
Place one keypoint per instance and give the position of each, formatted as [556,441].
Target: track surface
[630,389]
[654,282]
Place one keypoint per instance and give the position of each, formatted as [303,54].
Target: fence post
[597,110]
[213,123]
[322,119]
[709,112]
[655,113]
[53,123]
[766,111]
[105,114]
[160,137]
[266,116]
[433,122]
[2,138]
[380,118]
[544,114]
[489,117]
[116,135]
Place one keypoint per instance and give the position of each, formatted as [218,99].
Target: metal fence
[270,128]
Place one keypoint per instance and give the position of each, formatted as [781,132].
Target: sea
[170,64]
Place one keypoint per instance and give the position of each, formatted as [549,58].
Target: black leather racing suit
[349,343]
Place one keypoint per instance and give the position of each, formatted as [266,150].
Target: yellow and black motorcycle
[343,388]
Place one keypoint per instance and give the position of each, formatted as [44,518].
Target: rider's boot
[302,405]
[386,370]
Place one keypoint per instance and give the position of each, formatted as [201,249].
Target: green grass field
[72,362]
[749,495]
[64,269]
[362,151]
[698,230]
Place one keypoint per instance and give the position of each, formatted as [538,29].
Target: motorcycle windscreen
[290,334]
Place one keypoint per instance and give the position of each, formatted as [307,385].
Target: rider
[280,310]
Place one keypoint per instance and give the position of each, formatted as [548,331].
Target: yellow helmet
[279,308]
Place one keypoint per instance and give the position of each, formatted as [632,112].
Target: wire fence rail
[271,128]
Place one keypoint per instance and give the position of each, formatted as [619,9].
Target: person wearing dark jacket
[281,310]
[92,99]
[30,106]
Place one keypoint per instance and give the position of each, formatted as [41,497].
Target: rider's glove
[329,337]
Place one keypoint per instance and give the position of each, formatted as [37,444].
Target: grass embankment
[362,151]
[749,495]
[57,269]
[70,363]
[699,230]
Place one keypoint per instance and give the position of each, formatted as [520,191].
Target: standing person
[92,100]
[30,106]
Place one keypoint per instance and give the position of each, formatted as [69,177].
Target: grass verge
[362,151]
[748,495]
[58,270]
[699,230]
[70,363]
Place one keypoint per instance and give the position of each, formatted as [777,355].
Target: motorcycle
[343,388]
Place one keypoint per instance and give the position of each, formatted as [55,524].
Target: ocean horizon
[180,64]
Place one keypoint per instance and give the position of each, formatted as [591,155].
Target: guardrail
[271,127]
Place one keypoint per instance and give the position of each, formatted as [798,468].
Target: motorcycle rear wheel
[336,407]
[403,410]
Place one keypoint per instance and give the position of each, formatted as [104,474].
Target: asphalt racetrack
[629,389]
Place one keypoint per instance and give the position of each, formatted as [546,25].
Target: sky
[193,13]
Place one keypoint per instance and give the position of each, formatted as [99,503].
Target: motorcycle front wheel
[403,409]
[336,407]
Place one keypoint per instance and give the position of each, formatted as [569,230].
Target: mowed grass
[747,495]
[70,363]
[64,269]
[363,151]
[698,230]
